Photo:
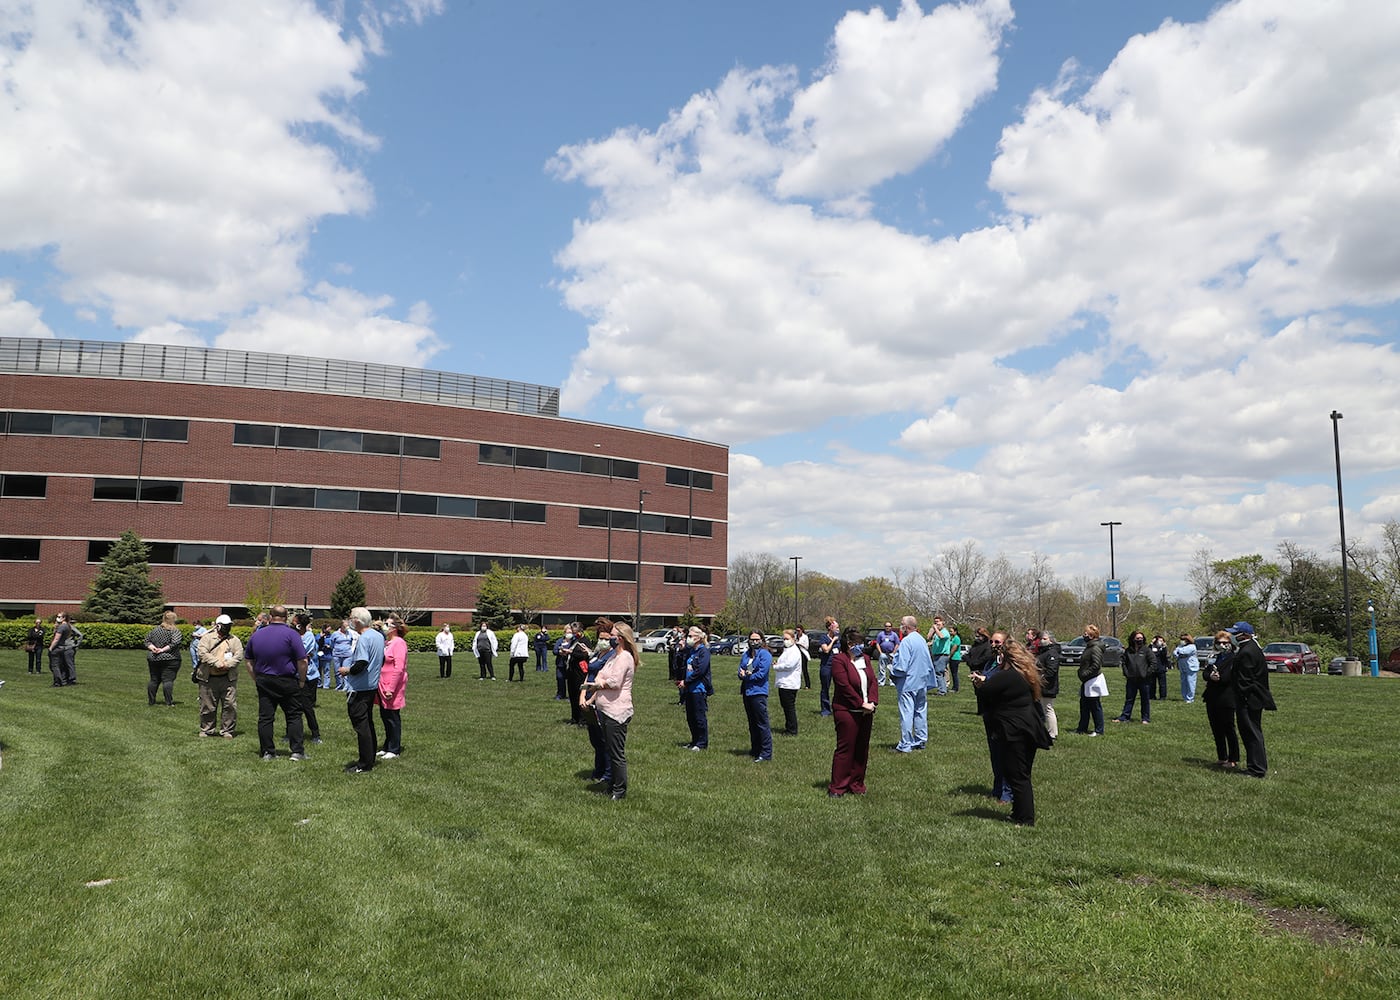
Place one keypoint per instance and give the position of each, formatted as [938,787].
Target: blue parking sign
[1113,590]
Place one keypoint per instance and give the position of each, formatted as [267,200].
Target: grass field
[481,864]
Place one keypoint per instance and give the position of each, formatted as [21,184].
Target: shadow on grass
[971,789]
[1208,765]
[982,812]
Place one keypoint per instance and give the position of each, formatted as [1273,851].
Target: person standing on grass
[826,650]
[325,659]
[1219,697]
[486,646]
[1001,788]
[887,639]
[519,653]
[163,645]
[577,672]
[610,696]
[277,664]
[362,680]
[787,675]
[1047,662]
[940,643]
[1093,688]
[446,645]
[597,738]
[695,689]
[754,668]
[955,656]
[1137,678]
[853,708]
[1007,698]
[216,670]
[301,622]
[34,646]
[1161,662]
[913,665]
[393,681]
[1250,672]
[561,664]
[541,643]
[63,652]
[1188,664]
[343,652]
[804,650]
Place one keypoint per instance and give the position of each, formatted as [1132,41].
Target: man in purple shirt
[277,663]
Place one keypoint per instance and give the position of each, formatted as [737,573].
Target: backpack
[483,644]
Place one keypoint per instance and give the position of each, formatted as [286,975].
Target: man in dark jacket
[1137,673]
[1252,697]
[1047,661]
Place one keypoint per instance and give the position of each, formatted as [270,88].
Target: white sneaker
[381,753]
[388,755]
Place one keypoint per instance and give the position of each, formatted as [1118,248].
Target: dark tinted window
[248,495]
[699,577]
[378,502]
[495,510]
[76,425]
[652,522]
[31,423]
[416,562]
[702,480]
[162,491]
[298,437]
[19,549]
[24,486]
[592,517]
[161,553]
[379,444]
[295,496]
[594,465]
[563,461]
[677,477]
[340,441]
[624,520]
[114,489]
[451,562]
[259,434]
[291,556]
[624,571]
[201,555]
[244,555]
[677,525]
[121,427]
[624,470]
[337,499]
[161,429]
[97,551]
[526,562]
[674,574]
[588,570]
[701,529]
[418,503]
[531,458]
[456,507]
[422,447]
[564,569]
[372,559]
[533,512]
[496,454]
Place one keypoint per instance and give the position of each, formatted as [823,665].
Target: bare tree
[404,591]
[955,579]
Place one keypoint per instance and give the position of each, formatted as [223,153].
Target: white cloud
[170,333]
[19,318]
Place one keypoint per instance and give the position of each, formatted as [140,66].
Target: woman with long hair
[393,679]
[1009,698]
[1220,702]
[1093,687]
[603,652]
[610,695]
[787,675]
[1137,676]
[855,694]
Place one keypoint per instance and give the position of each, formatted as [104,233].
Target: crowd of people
[1016,685]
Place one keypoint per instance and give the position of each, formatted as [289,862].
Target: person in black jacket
[1137,674]
[1161,663]
[34,646]
[1047,663]
[1007,699]
[1250,679]
[1092,685]
[1220,702]
[980,653]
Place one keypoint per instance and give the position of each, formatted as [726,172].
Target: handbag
[1040,733]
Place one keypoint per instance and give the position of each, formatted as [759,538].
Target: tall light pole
[796,620]
[1039,615]
[1112,572]
[1371,640]
[637,608]
[1342,520]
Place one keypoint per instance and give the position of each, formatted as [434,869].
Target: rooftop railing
[213,366]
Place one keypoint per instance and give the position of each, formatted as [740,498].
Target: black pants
[1017,759]
[1222,727]
[760,736]
[163,673]
[615,735]
[393,729]
[274,692]
[598,739]
[561,688]
[444,666]
[953,673]
[359,706]
[1251,723]
[308,708]
[575,686]
[517,663]
[1137,687]
[806,674]
[483,660]
[1159,685]
[36,660]
[787,697]
[697,717]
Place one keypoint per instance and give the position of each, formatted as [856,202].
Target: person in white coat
[787,675]
[485,645]
[446,645]
[519,653]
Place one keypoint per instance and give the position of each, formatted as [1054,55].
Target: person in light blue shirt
[1189,664]
[911,670]
[342,650]
[754,668]
[362,679]
[302,623]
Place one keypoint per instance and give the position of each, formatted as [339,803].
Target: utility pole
[1112,573]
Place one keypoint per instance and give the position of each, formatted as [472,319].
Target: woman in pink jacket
[393,677]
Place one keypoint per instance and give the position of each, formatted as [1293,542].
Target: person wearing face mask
[610,695]
[216,670]
[579,655]
[695,689]
[603,652]
[1161,662]
[561,663]
[996,642]
[911,670]
[1137,676]
[853,709]
[754,668]
[826,651]
[1094,688]
[787,675]
[1219,697]
[1007,699]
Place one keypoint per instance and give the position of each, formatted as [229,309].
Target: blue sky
[998,270]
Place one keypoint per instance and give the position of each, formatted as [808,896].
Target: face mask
[613,642]
[787,642]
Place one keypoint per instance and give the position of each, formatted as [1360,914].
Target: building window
[333,439]
[162,429]
[19,550]
[148,490]
[260,435]
[380,444]
[532,512]
[495,454]
[121,427]
[304,438]
[204,554]
[249,495]
[96,425]
[12,485]
[422,447]
[695,576]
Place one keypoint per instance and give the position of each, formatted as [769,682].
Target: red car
[1293,657]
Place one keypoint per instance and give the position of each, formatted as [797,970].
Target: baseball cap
[1241,628]
[223,620]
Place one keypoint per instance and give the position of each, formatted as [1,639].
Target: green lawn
[480,864]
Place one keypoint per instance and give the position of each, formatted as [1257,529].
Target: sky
[992,270]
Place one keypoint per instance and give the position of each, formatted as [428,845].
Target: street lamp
[1112,572]
[796,620]
[1371,638]
[637,608]
[1342,520]
[1039,615]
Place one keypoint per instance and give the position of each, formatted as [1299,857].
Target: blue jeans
[883,678]
[1188,685]
[1090,708]
[760,735]
[1137,687]
[697,711]
[826,687]
[913,714]
[940,674]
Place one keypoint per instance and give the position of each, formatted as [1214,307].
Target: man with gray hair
[911,672]
[362,678]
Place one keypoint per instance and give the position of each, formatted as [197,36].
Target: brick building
[219,458]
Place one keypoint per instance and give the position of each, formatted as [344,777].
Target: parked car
[729,645]
[655,640]
[1292,657]
[1205,649]
[1334,665]
[1072,650]
[775,645]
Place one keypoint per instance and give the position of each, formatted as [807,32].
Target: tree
[264,587]
[349,593]
[123,590]
[529,592]
[404,591]
[691,617]
[493,598]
